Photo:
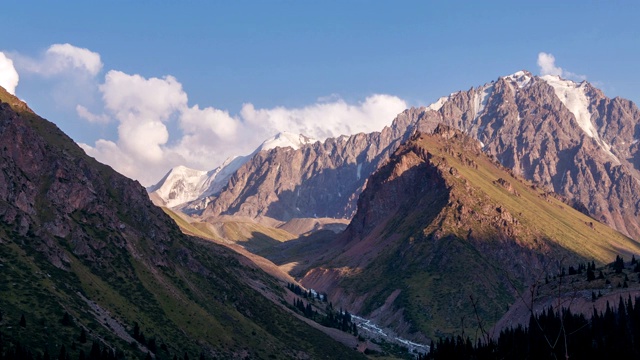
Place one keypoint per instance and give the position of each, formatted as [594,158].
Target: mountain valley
[433,227]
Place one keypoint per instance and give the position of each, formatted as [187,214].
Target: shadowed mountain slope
[83,251]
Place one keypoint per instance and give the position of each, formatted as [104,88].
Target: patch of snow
[438,104]
[182,184]
[286,139]
[574,97]
[520,78]
[359,171]
[635,141]
[481,98]
[179,185]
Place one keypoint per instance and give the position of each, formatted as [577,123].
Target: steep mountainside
[189,189]
[85,255]
[317,180]
[442,226]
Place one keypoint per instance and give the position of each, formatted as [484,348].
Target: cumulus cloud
[84,113]
[8,75]
[158,129]
[141,106]
[547,64]
[328,119]
[146,108]
[61,58]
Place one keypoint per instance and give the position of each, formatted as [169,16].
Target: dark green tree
[83,336]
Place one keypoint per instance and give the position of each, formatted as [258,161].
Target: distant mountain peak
[286,139]
[521,78]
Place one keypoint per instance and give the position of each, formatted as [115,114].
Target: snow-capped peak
[574,97]
[179,185]
[521,78]
[286,139]
[183,185]
[438,104]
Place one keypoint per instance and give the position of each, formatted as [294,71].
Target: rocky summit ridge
[567,137]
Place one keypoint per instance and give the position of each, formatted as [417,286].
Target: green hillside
[86,262]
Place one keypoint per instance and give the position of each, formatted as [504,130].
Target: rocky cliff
[567,137]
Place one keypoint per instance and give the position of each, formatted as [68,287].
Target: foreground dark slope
[78,238]
[440,224]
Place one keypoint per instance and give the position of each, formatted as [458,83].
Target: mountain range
[567,137]
[542,140]
[435,226]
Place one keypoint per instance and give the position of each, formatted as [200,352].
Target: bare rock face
[53,192]
[316,180]
[567,137]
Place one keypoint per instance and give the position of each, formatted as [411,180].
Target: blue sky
[296,63]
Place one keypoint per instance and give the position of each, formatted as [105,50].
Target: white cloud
[84,113]
[547,64]
[141,106]
[60,59]
[132,97]
[156,127]
[8,75]
[207,136]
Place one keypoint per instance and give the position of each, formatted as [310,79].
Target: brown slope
[441,222]
[77,237]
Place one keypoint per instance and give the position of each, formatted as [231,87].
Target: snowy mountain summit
[182,185]
[286,139]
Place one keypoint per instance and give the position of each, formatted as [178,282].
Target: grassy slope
[186,311]
[438,278]
[251,235]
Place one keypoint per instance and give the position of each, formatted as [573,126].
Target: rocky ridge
[321,179]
